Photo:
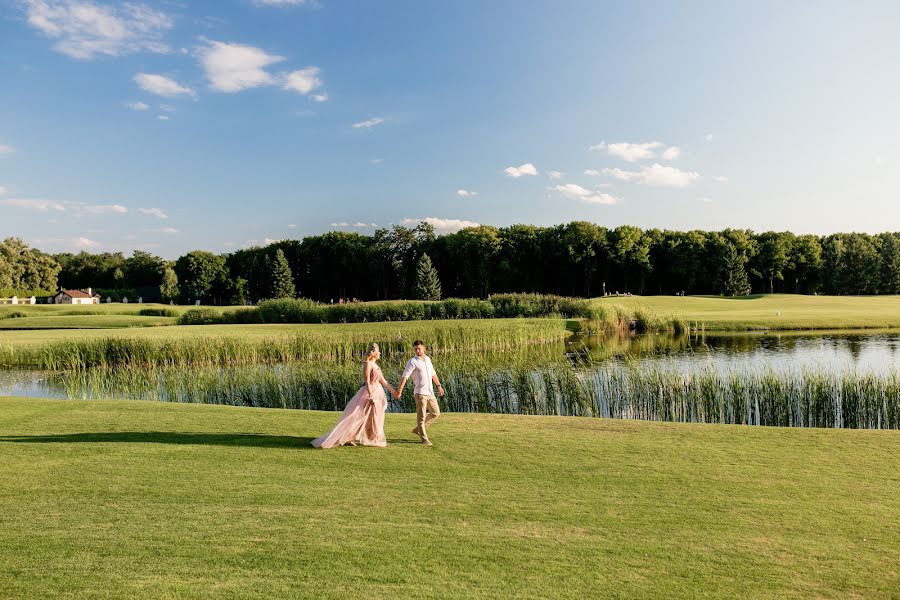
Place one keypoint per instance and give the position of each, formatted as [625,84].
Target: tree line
[574,259]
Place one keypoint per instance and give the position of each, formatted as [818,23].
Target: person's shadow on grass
[252,440]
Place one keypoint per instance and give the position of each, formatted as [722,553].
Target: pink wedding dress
[362,420]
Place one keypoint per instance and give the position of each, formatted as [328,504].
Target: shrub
[201,316]
[158,312]
[16,314]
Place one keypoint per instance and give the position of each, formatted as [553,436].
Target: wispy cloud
[86,29]
[441,226]
[2,191]
[633,152]
[671,153]
[355,225]
[166,230]
[526,169]
[102,209]
[153,212]
[33,204]
[161,85]
[6,149]
[705,200]
[592,172]
[720,178]
[163,117]
[83,242]
[369,123]
[376,161]
[655,175]
[304,81]
[232,68]
[235,67]
[292,225]
[137,106]
[576,192]
[554,174]
[466,193]
[708,137]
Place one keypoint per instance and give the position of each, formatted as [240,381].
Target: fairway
[124,499]
[776,311]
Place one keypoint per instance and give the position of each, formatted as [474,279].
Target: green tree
[282,280]
[890,264]
[774,256]
[428,285]
[202,276]
[168,289]
[734,277]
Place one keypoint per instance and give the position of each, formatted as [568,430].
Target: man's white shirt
[421,370]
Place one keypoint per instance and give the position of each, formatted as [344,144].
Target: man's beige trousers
[427,410]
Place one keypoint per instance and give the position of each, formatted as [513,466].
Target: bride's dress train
[362,421]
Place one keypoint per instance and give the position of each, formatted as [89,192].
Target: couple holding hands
[362,421]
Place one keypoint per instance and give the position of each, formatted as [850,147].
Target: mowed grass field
[776,311]
[127,499]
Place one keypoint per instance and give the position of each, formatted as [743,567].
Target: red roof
[77,294]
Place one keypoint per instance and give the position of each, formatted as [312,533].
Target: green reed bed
[538,381]
[324,343]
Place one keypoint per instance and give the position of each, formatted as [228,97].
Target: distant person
[362,421]
[423,375]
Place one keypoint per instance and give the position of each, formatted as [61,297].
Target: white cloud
[4,149]
[153,212]
[592,172]
[465,193]
[166,230]
[376,161]
[137,106]
[656,175]
[292,225]
[2,190]
[304,81]
[357,225]
[102,209]
[705,200]
[633,152]
[526,169]
[554,174]
[33,204]
[320,97]
[597,147]
[83,242]
[441,226]
[279,2]
[879,161]
[166,108]
[368,124]
[161,85]
[720,178]
[576,192]
[708,137]
[85,29]
[235,67]
[671,153]
[162,117]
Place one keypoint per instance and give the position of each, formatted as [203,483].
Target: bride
[362,421]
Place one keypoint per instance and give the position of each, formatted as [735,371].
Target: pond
[829,379]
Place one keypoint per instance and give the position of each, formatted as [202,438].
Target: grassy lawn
[125,499]
[762,312]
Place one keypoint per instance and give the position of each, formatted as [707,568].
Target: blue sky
[170,126]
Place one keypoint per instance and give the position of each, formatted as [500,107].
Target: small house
[76,297]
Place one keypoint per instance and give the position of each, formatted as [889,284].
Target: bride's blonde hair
[373,348]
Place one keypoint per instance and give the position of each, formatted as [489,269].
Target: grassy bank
[251,344]
[777,311]
[132,499]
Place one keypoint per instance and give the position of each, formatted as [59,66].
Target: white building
[76,297]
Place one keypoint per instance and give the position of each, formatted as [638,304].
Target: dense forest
[575,259]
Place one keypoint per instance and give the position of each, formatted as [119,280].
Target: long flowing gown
[362,420]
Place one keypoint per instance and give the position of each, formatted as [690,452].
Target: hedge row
[307,311]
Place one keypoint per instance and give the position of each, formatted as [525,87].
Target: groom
[422,371]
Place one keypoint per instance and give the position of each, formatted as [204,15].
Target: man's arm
[405,376]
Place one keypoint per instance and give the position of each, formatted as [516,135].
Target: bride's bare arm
[385,383]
